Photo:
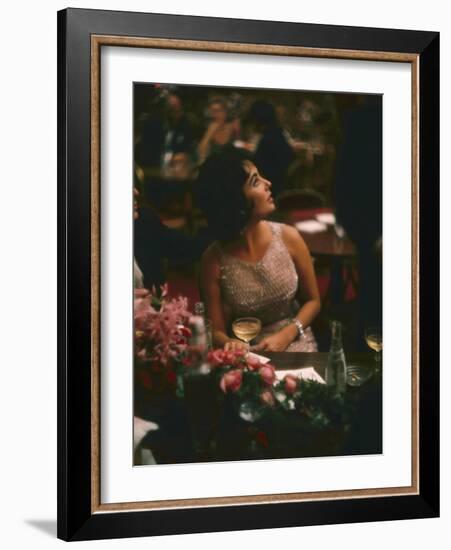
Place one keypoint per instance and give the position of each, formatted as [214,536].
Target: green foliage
[319,405]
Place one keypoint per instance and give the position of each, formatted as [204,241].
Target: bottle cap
[199,308]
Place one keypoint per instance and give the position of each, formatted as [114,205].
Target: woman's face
[218,112]
[258,191]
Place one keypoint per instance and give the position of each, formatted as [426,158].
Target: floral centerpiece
[245,376]
[280,416]
[161,342]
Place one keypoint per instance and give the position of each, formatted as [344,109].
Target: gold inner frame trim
[97,41]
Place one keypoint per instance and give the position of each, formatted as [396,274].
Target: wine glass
[373,337]
[246,328]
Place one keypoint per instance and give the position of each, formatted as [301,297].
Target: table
[172,443]
[327,243]
[339,254]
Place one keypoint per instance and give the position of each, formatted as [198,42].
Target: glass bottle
[199,339]
[199,390]
[336,361]
[199,309]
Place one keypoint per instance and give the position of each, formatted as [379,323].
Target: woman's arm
[312,304]
[304,267]
[211,294]
[204,144]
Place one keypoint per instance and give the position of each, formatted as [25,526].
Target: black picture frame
[78,518]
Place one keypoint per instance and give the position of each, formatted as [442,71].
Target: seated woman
[220,132]
[255,267]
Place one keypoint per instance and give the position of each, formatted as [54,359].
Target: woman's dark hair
[221,195]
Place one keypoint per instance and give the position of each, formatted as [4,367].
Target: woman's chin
[264,213]
[271,208]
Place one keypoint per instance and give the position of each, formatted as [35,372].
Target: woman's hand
[236,345]
[213,127]
[204,143]
[278,341]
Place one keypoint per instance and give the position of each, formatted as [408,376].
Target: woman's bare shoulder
[289,233]
[212,252]
[211,258]
[291,237]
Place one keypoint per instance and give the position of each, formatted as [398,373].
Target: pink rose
[231,381]
[219,357]
[268,374]
[229,357]
[267,398]
[215,357]
[290,383]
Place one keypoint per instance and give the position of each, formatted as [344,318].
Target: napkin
[259,357]
[311,226]
[140,429]
[326,217]
[307,373]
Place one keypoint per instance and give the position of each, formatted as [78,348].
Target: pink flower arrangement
[160,332]
[161,338]
[244,374]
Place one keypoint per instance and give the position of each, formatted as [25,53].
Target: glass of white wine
[246,328]
[373,337]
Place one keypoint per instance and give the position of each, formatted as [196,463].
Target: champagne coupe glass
[373,337]
[246,328]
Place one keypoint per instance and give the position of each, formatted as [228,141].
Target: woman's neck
[253,235]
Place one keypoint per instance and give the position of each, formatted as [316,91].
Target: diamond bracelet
[299,327]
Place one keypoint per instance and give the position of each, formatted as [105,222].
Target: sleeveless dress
[266,289]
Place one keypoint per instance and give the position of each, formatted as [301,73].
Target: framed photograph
[245,208]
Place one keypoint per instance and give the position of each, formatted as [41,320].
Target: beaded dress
[266,289]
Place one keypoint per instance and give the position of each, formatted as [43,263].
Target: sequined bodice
[265,289]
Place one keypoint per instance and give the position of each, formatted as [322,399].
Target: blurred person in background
[179,146]
[149,129]
[358,190]
[163,130]
[273,155]
[155,244]
[222,129]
